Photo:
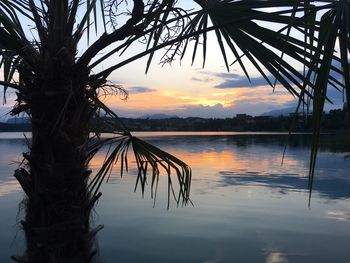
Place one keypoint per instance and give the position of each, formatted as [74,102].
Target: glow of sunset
[189,91]
[217,159]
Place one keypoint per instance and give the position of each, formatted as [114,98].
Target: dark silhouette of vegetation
[59,87]
[10,127]
[334,121]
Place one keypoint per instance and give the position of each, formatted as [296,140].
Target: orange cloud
[172,100]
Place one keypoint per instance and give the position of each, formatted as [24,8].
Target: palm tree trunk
[58,204]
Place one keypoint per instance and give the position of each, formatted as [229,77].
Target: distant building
[243,116]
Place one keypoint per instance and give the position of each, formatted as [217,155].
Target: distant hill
[15,127]
[335,120]
[280,112]
[19,120]
[158,117]
[9,123]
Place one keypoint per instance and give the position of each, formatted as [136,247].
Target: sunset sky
[193,91]
[184,90]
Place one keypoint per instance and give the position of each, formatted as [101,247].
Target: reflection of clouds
[276,257]
[245,177]
[325,186]
[251,160]
[339,215]
[9,187]
[243,159]
[237,156]
[212,261]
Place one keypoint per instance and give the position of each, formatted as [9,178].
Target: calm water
[248,208]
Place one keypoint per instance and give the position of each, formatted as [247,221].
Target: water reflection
[276,257]
[327,187]
[243,160]
[339,215]
[9,186]
[10,152]
[248,208]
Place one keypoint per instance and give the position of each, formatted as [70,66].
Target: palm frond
[234,24]
[333,27]
[9,61]
[149,160]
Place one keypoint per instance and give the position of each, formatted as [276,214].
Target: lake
[247,206]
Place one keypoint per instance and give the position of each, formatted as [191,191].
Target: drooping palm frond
[318,52]
[234,23]
[14,46]
[149,159]
[51,26]
[329,68]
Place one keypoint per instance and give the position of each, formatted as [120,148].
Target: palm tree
[60,90]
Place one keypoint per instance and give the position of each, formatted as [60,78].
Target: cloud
[216,111]
[139,89]
[202,79]
[222,104]
[335,96]
[225,75]
[232,80]
[276,257]
[244,104]
[212,103]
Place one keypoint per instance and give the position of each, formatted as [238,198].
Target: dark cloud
[232,80]
[227,75]
[334,95]
[139,89]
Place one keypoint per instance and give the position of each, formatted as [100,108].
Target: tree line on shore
[334,120]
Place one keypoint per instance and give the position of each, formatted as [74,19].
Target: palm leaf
[147,156]
[333,26]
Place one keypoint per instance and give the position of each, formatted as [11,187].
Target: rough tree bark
[58,204]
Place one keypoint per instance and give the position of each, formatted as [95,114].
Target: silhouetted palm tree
[60,91]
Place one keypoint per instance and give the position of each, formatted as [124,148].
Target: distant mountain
[280,112]
[19,120]
[159,116]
